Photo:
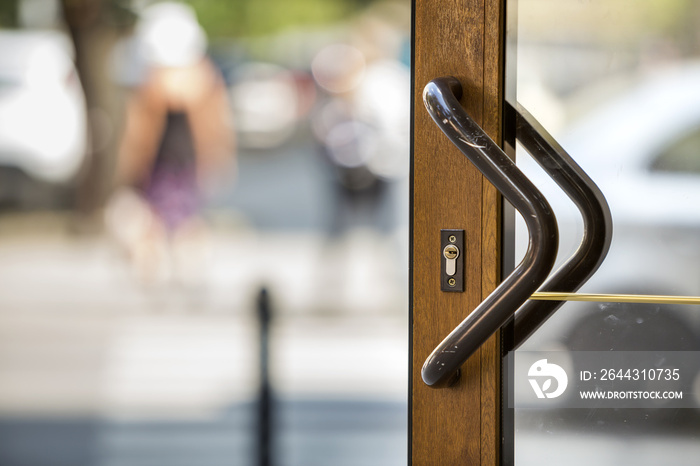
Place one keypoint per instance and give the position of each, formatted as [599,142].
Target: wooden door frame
[459,425]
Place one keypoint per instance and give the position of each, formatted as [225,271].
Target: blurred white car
[43,121]
[643,150]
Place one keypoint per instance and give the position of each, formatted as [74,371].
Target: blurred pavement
[80,338]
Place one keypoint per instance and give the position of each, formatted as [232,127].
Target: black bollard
[264,445]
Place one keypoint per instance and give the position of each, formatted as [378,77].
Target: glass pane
[632,387]
[204,232]
[616,83]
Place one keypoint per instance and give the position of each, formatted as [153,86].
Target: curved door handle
[597,221]
[442,366]
[441,99]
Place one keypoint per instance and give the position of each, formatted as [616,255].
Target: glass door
[615,379]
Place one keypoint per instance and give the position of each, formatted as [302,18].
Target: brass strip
[615,298]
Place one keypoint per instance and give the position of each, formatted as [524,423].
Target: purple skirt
[173,194]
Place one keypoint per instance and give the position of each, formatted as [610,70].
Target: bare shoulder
[185,87]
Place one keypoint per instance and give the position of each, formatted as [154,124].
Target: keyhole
[451,252]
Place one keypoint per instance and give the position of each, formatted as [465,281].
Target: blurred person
[361,126]
[362,129]
[178,135]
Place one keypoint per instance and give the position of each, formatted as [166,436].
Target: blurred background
[204,216]
[203,232]
[617,83]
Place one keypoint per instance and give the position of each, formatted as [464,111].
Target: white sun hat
[170,35]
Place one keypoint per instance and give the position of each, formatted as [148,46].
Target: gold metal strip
[615,298]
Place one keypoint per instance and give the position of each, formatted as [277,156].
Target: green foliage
[8,13]
[120,14]
[236,18]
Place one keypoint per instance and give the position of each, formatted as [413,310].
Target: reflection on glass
[638,430]
[616,83]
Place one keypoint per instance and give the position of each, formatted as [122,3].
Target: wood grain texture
[494,19]
[458,425]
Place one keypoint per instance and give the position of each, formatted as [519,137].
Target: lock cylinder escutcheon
[452,254]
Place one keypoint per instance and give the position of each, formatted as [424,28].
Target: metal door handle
[591,203]
[441,368]
[441,99]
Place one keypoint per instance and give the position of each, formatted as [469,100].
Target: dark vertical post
[94,27]
[264,439]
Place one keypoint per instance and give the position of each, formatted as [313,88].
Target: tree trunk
[94,34]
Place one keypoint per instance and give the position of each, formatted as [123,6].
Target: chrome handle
[441,368]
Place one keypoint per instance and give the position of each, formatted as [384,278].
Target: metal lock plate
[452,260]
